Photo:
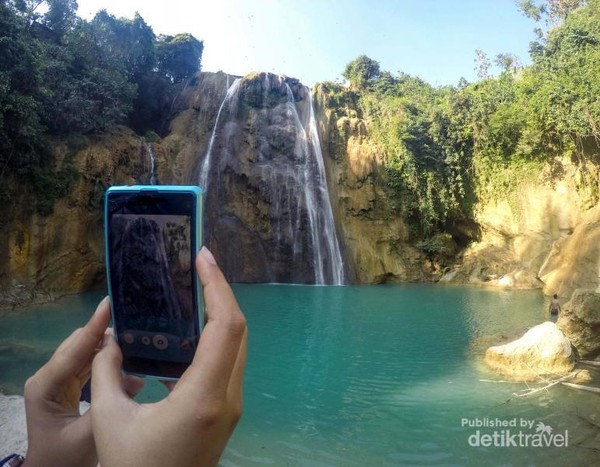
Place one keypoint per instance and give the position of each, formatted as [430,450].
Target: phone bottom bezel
[154,368]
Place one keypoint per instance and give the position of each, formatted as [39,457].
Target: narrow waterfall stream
[266,186]
[147,151]
[229,92]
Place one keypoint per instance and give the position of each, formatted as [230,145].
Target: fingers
[132,385]
[107,383]
[74,355]
[223,334]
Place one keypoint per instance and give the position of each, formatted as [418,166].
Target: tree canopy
[62,76]
[446,147]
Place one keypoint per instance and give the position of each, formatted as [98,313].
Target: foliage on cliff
[64,79]
[447,147]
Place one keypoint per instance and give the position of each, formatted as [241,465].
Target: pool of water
[363,375]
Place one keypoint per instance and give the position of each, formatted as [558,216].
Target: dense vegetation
[447,147]
[66,79]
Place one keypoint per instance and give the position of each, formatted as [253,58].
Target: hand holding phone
[192,426]
[153,234]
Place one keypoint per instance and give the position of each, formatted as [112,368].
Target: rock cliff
[262,224]
[255,140]
[63,253]
[580,321]
[259,221]
[375,238]
[542,234]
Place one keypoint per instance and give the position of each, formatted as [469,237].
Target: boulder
[542,350]
[580,321]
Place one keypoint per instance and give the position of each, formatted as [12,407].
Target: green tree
[178,56]
[508,62]
[61,17]
[20,128]
[362,72]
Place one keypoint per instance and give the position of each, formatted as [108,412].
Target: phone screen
[151,243]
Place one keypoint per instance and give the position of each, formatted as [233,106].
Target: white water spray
[286,173]
[147,148]
[206,164]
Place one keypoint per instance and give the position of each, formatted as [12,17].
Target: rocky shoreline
[550,349]
[13,428]
[19,296]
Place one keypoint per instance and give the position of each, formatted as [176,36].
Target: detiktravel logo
[515,432]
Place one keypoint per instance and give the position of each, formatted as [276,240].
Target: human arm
[192,425]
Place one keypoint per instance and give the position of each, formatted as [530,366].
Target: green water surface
[360,375]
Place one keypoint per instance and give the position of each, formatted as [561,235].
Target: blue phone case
[198,196]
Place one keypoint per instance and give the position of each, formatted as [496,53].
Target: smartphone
[152,236]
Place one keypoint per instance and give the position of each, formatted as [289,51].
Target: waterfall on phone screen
[148,151]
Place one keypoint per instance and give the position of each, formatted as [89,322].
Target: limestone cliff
[541,234]
[374,236]
[63,253]
[255,142]
[580,321]
[247,142]
[259,223]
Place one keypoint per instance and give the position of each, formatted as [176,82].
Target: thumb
[108,385]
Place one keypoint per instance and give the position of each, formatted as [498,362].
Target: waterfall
[318,204]
[206,164]
[152,165]
[266,188]
[148,149]
[331,240]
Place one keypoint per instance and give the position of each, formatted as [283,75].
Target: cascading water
[266,186]
[204,171]
[148,149]
[152,165]
[330,234]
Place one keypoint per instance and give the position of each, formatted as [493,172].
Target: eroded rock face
[573,261]
[524,237]
[544,237]
[374,237]
[543,350]
[251,200]
[267,213]
[257,226]
[64,252]
[580,321]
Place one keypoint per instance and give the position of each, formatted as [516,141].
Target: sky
[313,40]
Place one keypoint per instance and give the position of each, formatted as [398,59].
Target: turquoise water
[365,375]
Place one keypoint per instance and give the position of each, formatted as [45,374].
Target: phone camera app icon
[146,340]
[160,342]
